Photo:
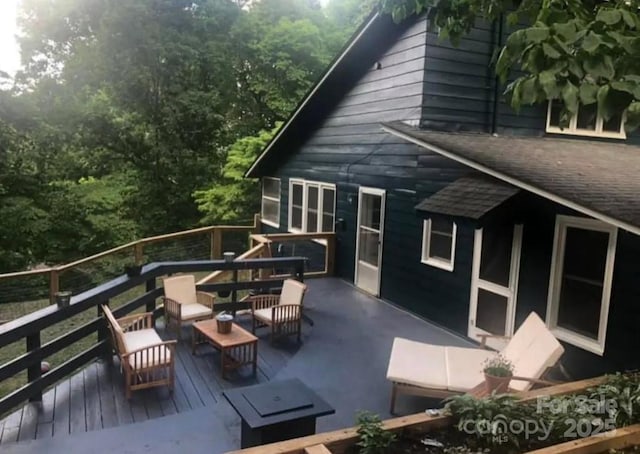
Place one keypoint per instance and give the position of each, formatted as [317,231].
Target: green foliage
[498,366]
[565,46]
[235,198]
[374,439]
[126,112]
[596,410]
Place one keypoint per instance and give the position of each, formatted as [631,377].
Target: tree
[581,52]
[235,198]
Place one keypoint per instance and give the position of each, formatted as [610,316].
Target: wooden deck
[343,357]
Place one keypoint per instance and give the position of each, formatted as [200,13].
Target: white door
[494,282]
[369,240]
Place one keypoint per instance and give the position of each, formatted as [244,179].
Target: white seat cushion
[532,350]
[195,310]
[418,364]
[265,315]
[464,367]
[135,340]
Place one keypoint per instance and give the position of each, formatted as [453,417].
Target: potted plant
[132,269]
[498,371]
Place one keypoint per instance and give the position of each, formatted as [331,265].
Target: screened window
[585,123]
[580,285]
[439,243]
[271,201]
[311,206]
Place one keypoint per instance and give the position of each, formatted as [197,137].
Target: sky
[9,53]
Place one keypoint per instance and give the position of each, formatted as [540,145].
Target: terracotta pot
[498,384]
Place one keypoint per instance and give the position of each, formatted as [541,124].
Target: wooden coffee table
[238,348]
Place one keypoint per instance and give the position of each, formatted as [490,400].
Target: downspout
[496,82]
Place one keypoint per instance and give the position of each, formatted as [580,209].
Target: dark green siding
[350,150]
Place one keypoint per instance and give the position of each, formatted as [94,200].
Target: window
[439,243]
[580,282]
[271,201]
[586,123]
[311,206]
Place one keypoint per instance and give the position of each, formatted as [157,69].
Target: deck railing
[134,252]
[29,327]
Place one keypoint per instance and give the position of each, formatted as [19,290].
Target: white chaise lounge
[441,371]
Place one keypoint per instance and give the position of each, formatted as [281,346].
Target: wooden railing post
[216,244]
[138,252]
[34,371]
[54,285]
[103,332]
[150,285]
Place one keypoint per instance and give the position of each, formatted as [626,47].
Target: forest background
[138,118]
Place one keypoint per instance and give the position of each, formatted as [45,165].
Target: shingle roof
[600,179]
[468,197]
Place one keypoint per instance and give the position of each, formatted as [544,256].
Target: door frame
[510,292]
[382,194]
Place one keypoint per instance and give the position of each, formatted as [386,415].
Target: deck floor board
[343,357]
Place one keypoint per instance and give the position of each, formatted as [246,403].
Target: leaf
[633,117]
[591,42]
[567,31]
[599,67]
[550,51]
[537,34]
[529,91]
[575,69]
[609,16]
[623,86]
[570,97]
[628,18]
[604,109]
[503,64]
[547,80]
[588,93]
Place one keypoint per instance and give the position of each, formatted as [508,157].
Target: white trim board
[284,127]
[515,182]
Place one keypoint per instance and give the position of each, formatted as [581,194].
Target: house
[448,203]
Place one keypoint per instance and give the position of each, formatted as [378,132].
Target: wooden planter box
[338,441]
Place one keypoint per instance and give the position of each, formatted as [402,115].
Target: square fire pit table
[277,411]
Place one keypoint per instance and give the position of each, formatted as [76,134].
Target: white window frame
[273,199]
[572,128]
[437,262]
[305,204]
[555,280]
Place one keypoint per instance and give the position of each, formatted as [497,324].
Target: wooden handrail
[132,244]
[30,326]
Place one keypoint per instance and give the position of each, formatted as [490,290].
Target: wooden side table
[237,348]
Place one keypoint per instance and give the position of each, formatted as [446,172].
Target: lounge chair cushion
[181,289]
[194,311]
[135,340]
[418,364]
[532,350]
[464,367]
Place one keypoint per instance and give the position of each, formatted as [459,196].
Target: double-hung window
[439,243]
[270,211]
[580,282]
[311,206]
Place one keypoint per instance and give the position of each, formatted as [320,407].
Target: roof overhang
[413,135]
